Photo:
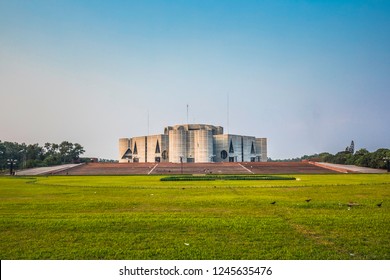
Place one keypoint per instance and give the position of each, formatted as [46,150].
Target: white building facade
[193,143]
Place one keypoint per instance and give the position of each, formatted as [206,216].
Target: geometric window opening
[253,149]
[135,151]
[127,154]
[157,148]
[164,154]
[231,150]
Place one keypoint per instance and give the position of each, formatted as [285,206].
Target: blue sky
[309,75]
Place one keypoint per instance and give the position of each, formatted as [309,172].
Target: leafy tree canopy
[34,155]
[362,158]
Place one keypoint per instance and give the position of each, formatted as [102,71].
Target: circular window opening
[224,154]
[164,154]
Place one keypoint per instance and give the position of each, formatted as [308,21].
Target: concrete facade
[152,148]
[193,143]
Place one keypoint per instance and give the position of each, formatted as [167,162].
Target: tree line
[364,158]
[34,155]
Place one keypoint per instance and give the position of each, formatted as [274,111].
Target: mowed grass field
[140,217]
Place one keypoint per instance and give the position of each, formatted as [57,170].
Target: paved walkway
[46,170]
[349,168]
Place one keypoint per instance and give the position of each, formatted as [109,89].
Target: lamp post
[181,164]
[11,163]
[1,166]
[387,160]
[24,152]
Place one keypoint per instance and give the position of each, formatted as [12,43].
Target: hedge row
[224,177]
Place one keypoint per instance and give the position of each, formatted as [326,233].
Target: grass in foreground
[139,217]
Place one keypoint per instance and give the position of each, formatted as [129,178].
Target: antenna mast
[187,113]
[228,113]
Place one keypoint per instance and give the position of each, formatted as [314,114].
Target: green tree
[3,159]
[361,157]
[51,154]
[76,152]
[341,157]
[70,152]
[65,149]
[34,155]
[326,157]
[377,158]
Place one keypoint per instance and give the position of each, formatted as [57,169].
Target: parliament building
[193,143]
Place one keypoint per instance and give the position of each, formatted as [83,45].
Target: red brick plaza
[196,168]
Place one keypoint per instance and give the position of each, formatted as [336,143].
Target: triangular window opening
[231,150]
[253,149]
[157,148]
[135,151]
[127,154]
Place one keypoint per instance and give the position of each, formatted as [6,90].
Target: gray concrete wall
[203,145]
[164,145]
[261,149]
[139,154]
[177,145]
[242,146]
[247,143]
[153,154]
[221,142]
[123,147]
[236,141]
[151,147]
[190,146]
[195,143]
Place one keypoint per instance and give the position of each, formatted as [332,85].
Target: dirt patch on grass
[312,235]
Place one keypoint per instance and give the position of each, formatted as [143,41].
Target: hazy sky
[309,75]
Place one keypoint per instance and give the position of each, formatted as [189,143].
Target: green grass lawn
[140,217]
